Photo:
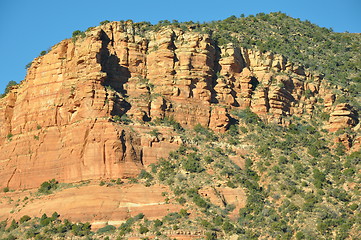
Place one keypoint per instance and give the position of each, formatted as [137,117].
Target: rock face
[342,116]
[62,121]
[95,204]
[222,196]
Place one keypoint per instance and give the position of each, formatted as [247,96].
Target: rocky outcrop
[342,116]
[68,119]
[223,196]
[98,205]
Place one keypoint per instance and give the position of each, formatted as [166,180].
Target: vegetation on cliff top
[8,88]
[336,55]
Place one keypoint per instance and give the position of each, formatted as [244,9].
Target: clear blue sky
[28,27]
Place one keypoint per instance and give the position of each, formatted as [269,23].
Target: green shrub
[248,116]
[126,227]
[133,180]
[44,220]
[340,149]
[265,151]
[10,237]
[154,133]
[308,93]
[324,116]
[181,200]
[282,160]
[192,164]
[353,206]
[3,226]
[78,34]
[205,224]
[104,22]
[55,216]
[28,65]
[183,213]
[218,221]
[31,233]
[230,207]
[81,229]
[6,189]
[157,223]
[9,87]
[208,159]
[340,194]
[125,119]
[169,121]
[243,129]
[89,29]
[42,53]
[170,217]
[145,175]
[143,229]
[200,202]
[166,169]
[119,181]
[210,136]
[65,227]
[9,136]
[228,227]
[313,151]
[349,172]
[24,218]
[139,216]
[231,184]
[48,186]
[310,201]
[107,228]
[300,235]
[211,236]
[13,225]
[319,178]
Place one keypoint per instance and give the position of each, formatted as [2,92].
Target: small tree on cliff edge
[8,87]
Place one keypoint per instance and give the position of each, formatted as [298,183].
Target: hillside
[246,128]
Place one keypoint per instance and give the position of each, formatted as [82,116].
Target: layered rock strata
[63,121]
[342,116]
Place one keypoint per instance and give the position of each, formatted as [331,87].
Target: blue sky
[29,27]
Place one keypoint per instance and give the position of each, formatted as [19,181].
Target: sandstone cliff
[66,120]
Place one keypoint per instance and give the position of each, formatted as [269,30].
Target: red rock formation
[223,196]
[345,139]
[96,204]
[62,121]
[356,144]
[342,116]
